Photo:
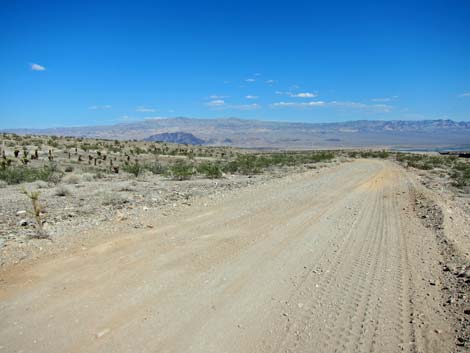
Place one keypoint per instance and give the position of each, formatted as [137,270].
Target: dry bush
[113,199]
[87,177]
[62,190]
[72,179]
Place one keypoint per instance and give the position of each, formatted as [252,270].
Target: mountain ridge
[282,134]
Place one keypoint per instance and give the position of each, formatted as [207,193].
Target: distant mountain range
[274,134]
[176,137]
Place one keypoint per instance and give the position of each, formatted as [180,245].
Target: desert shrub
[62,190]
[37,211]
[87,177]
[3,184]
[68,169]
[180,171]
[460,174]
[133,168]
[40,184]
[126,187]
[21,174]
[156,168]
[113,199]
[71,179]
[210,170]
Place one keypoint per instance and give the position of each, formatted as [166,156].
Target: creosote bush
[62,190]
[210,170]
[181,171]
[21,174]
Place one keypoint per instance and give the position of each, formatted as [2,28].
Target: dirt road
[330,261]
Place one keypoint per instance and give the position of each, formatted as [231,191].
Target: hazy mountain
[176,137]
[255,133]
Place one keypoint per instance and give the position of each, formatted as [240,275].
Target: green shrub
[156,168]
[134,168]
[210,170]
[181,171]
[21,174]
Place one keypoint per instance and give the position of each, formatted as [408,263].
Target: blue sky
[67,63]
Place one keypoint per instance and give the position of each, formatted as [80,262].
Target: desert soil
[330,261]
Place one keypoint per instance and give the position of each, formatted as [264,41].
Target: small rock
[22,212]
[466,311]
[102,333]
[23,223]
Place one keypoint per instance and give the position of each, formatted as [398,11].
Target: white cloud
[297,95]
[216,103]
[299,105]
[257,74]
[215,96]
[245,106]
[250,80]
[466,94]
[251,97]
[221,104]
[142,109]
[353,105]
[100,107]
[37,67]
[270,82]
[304,95]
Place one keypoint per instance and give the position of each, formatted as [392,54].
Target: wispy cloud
[384,99]
[251,97]
[245,106]
[300,104]
[466,94]
[250,80]
[215,96]
[37,67]
[353,105]
[270,82]
[216,103]
[142,109]
[297,95]
[304,95]
[99,107]
[221,104]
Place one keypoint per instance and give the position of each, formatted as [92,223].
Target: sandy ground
[335,261]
